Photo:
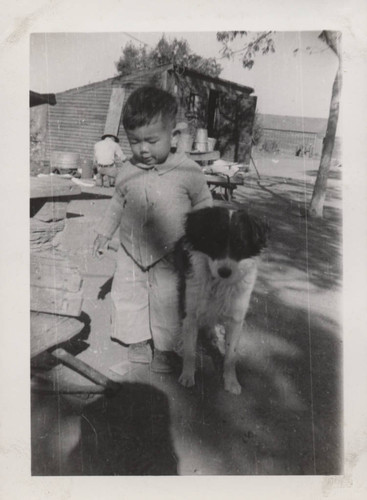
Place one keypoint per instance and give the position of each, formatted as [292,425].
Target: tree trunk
[316,207]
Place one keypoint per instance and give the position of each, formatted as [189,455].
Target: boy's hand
[98,246]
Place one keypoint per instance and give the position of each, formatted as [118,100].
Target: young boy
[154,191]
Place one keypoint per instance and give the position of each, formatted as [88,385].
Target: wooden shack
[84,114]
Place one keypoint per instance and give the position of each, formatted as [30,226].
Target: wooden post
[114,111]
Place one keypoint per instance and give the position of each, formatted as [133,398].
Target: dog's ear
[198,224]
[254,230]
[260,231]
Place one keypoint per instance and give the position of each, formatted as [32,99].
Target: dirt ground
[287,419]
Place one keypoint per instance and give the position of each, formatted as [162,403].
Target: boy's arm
[201,196]
[109,224]
[98,245]
[112,217]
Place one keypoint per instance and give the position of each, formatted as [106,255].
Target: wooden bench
[219,184]
[48,333]
[225,184]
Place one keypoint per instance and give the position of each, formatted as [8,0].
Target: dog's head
[228,238]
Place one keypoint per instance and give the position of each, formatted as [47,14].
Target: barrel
[201,146]
[211,143]
[201,140]
[201,135]
[87,168]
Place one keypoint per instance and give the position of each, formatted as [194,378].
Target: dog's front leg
[233,334]
[190,334]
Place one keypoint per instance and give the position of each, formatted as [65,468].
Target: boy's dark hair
[146,104]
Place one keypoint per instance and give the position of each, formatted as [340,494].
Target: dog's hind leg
[233,335]
[190,334]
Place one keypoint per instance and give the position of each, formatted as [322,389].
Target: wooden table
[208,156]
[224,183]
[52,186]
[48,333]
[56,285]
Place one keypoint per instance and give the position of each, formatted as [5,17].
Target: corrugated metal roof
[89,86]
[119,80]
[294,123]
[216,81]
[181,71]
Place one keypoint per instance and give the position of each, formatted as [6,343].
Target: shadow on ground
[287,419]
[124,434]
[311,246]
[333,174]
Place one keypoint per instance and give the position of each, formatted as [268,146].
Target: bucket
[87,169]
[211,143]
[201,135]
[64,161]
[201,146]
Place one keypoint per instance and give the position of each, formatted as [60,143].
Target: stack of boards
[45,225]
[56,301]
[55,283]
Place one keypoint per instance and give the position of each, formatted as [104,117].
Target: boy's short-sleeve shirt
[150,203]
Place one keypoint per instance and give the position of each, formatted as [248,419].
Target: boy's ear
[175,137]
[176,133]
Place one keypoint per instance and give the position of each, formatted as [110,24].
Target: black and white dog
[217,260]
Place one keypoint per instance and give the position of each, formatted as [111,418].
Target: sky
[286,83]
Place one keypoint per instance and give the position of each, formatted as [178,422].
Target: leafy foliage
[166,51]
[261,42]
[133,59]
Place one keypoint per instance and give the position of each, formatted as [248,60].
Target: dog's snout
[224,272]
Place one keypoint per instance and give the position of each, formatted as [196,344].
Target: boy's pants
[145,304]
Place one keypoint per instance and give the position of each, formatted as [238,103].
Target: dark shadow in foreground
[125,434]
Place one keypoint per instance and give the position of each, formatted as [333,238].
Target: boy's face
[151,143]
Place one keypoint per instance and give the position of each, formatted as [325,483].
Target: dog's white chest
[212,300]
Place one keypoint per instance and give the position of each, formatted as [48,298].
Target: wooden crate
[54,272]
[54,301]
